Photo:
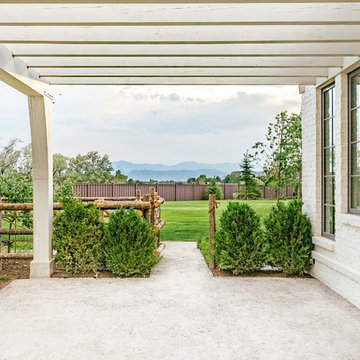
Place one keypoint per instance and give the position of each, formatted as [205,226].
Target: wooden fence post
[212,228]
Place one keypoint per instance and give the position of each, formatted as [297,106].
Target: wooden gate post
[212,228]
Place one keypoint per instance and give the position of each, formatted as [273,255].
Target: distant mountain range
[178,172]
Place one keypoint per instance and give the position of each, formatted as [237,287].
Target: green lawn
[188,220]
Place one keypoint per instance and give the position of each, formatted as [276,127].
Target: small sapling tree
[248,187]
[214,188]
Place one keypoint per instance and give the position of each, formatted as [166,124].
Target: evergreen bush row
[241,245]
[83,243]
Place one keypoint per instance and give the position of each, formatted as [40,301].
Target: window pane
[355,125]
[355,91]
[329,219]
[355,193]
[355,159]
[328,132]
[329,187]
[329,163]
[328,111]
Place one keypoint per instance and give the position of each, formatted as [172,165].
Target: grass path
[188,220]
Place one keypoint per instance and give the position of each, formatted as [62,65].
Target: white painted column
[40,109]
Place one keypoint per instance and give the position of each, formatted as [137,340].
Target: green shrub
[203,246]
[78,232]
[249,190]
[214,188]
[129,244]
[288,232]
[239,244]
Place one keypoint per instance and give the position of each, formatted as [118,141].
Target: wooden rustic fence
[170,192]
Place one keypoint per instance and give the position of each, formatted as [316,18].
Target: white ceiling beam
[180,14]
[232,34]
[135,72]
[317,49]
[185,62]
[182,80]
[15,73]
[167,1]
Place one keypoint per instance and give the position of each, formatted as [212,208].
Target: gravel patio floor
[180,312]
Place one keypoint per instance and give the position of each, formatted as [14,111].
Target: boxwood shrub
[288,232]
[78,232]
[239,244]
[129,244]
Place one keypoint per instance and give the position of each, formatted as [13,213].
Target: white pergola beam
[183,62]
[182,80]
[174,72]
[16,74]
[180,14]
[207,50]
[209,34]
[168,1]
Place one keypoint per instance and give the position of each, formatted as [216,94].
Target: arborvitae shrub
[239,244]
[288,232]
[214,188]
[78,232]
[129,244]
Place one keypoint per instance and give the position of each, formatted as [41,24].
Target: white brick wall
[338,266]
[311,158]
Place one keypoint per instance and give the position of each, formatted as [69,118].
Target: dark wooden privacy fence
[170,192]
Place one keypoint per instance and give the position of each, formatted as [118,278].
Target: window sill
[349,219]
[324,242]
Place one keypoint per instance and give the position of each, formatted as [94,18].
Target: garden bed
[14,266]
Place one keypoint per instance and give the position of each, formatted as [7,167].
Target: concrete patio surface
[180,312]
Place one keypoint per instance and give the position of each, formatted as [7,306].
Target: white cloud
[155,123]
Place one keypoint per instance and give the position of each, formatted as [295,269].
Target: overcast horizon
[154,124]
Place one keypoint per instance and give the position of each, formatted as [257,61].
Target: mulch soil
[19,268]
[14,269]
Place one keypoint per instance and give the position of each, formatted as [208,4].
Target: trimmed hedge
[129,244]
[78,232]
[239,244]
[288,232]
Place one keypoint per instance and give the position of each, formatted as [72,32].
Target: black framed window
[328,161]
[354,142]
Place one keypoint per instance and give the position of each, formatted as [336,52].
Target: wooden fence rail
[147,206]
[171,192]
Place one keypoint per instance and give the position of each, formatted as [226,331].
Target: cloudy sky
[166,124]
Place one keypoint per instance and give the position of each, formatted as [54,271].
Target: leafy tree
[16,187]
[202,179]
[239,244]
[248,188]
[191,180]
[91,167]
[60,165]
[281,152]
[9,156]
[26,164]
[129,244]
[232,178]
[214,188]
[119,177]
